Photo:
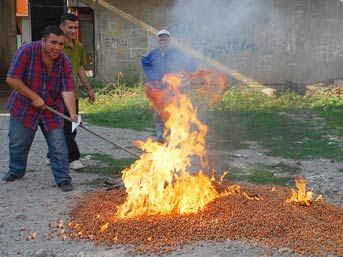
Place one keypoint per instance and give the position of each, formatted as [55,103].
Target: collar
[66,45]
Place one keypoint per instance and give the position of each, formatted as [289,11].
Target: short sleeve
[19,63]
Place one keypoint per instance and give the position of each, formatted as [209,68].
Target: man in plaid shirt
[40,74]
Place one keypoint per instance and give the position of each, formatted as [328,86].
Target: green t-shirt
[77,57]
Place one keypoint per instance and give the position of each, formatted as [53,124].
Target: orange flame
[160,181]
[203,85]
[209,85]
[302,197]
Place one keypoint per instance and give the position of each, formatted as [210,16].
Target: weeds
[246,99]
[263,174]
[118,106]
[285,125]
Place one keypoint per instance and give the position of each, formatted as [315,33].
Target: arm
[149,65]
[19,86]
[85,81]
[83,76]
[15,76]
[69,101]
[68,94]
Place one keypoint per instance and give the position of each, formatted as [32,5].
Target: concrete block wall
[119,45]
[270,41]
[8,42]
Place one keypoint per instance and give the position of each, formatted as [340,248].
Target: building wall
[8,41]
[269,41]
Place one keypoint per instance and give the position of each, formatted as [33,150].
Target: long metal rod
[92,132]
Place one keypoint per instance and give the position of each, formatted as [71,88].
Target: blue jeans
[20,140]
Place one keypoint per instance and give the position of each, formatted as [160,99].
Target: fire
[209,86]
[160,181]
[302,197]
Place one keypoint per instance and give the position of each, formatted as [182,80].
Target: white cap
[163,32]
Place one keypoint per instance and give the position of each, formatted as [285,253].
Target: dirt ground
[32,208]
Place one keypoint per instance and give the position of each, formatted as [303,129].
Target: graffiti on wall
[328,51]
[228,48]
[124,42]
[254,50]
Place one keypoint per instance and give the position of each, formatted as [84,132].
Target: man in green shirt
[76,53]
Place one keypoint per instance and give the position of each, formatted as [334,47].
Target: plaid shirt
[27,65]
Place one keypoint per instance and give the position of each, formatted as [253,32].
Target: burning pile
[160,182]
[302,197]
[165,205]
[316,230]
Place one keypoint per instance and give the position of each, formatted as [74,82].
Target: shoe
[9,177]
[76,165]
[47,161]
[66,186]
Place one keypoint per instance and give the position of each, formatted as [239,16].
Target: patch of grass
[262,175]
[333,119]
[242,98]
[286,168]
[325,100]
[109,166]
[247,99]
[259,174]
[254,116]
[120,107]
[225,131]
[236,174]
[280,135]
[340,170]
[243,115]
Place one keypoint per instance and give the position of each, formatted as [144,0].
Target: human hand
[73,117]
[37,101]
[91,95]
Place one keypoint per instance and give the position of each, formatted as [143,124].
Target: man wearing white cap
[161,61]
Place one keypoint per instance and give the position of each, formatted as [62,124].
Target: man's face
[70,29]
[53,45]
[163,42]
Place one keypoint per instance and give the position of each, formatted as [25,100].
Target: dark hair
[52,29]
[69,17]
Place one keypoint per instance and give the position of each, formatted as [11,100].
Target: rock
[87,157]
[42,253]
[338,82]
[269,91]
[285,250]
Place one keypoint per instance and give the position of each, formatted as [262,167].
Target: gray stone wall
[269,41]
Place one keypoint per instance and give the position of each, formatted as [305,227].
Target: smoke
[241,34]
[203,22]
[228,31]
[270,41]
[217,14]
